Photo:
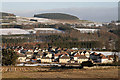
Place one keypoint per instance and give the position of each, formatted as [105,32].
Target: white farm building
[12,31]
[45,30]
[83,30]
[17,31]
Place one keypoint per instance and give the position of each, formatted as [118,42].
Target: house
[82,59]
[95,57]
[34,60]
[72,61]
[38,57]
[76,56]
[72,52]
[57,55]
[30,50]
[104,60]
[21,58]
[64,59]
[28,59]
[87,54]
[29,54]
[58,49]
[113,58]
[82,53]
[35,51]
[53,49]
[40,53]
[64,53]
[46,59]
[100,58]
[49,55]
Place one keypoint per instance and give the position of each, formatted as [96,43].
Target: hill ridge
[59,16]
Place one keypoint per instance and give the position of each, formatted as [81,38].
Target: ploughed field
[47,72]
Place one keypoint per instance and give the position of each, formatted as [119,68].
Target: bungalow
[46,59]
[21,58]
[82,59]
[64,59]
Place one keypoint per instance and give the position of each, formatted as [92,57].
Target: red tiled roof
[64,53]
[104,57]
[59,48]
[109,59]
[34,59]
[77,55]
[65,57]
[57,54]
[95,54]
[101,55]
[82,57]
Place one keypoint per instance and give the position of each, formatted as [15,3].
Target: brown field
[42,72]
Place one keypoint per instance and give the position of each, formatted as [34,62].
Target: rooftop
[82,57]
[65,57]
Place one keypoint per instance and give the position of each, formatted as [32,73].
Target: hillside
[6,14]
[59,16]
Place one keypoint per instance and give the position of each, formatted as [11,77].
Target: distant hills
[59,16]
[7,17]
[52,18]
[6,14]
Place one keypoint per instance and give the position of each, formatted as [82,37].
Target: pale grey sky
[60,0]
[94,11]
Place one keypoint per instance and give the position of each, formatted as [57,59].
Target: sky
[93,11]
[60,0]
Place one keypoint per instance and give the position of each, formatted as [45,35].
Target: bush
[8,57]
[87,63]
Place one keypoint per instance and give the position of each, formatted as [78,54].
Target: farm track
[42,69]
[23,69]
[43,72]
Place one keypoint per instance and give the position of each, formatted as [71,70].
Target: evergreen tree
[8,57]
